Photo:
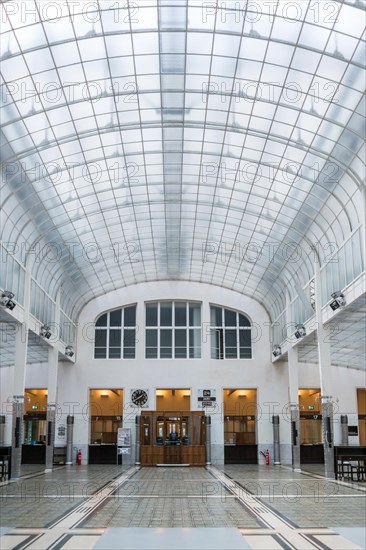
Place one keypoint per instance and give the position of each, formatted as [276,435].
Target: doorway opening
[240,439]
[311,435]
[35,426]
[105,410]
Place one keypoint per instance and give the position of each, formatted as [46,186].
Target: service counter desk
[102,453]
[34,454]
[312,454]
[241,454]
[151,455]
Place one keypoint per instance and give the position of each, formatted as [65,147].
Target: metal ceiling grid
[145,134]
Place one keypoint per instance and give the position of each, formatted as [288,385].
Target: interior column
[52,391]
[293,381]
[325,379]
[21,347]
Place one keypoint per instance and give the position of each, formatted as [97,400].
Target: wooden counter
[102,454]
[151,455]
[241,454]
[33,454]
[312,454]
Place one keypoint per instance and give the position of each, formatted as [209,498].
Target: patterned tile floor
[273,507]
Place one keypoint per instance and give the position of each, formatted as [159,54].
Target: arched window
[230,334]
[173,330]
[115,334]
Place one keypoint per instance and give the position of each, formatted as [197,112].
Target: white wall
[270,380]
[75,380]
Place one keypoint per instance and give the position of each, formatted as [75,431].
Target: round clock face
[139,397]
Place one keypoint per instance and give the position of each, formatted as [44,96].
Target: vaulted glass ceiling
[183,139]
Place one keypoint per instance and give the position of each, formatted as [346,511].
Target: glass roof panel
[167,137]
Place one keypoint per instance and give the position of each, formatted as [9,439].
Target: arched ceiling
[180,140]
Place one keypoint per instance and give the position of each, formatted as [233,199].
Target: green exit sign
[34,407]
[311,407]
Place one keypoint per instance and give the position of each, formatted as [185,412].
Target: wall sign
[124,437]
[206,398]
[60,434]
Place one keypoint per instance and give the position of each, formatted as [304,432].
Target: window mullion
[123,333]
[173,330]
[158,331]
[108,329]
[237,336]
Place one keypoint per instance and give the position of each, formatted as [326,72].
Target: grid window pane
[180,310]
[100,353]
[230,344]
[151,315]
[130,317]
[114,353]
[230,318]
[102,321]
[245,338]
[166,343]
[152,337]
[166,314]
[151,344]
[243,321]
[115,318]
[100,338]
[216,316]
[114,344]
[194,315]
[180,343]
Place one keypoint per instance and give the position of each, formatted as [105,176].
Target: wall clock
[139,397]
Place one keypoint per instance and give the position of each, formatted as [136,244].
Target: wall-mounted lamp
[45,332]
[338,300]
[300,331]
[7,299]
[276,350]
[69,351]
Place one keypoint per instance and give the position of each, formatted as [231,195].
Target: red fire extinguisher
[78,458]
[267,457]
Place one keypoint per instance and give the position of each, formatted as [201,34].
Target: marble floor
[271,507]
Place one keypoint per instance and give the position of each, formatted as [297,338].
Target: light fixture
[276,350]
[300,331]
[45,331]
[69,351]
[7,299]
[338,300]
